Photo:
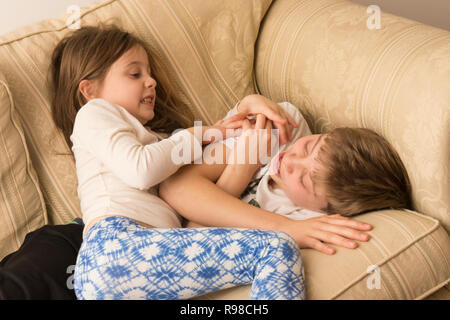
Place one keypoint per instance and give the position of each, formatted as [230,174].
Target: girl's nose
[150,82]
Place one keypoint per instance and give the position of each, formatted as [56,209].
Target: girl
[133,246]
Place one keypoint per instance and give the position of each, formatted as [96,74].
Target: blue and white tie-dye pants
[120,259]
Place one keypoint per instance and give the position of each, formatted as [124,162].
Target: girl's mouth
[147,100]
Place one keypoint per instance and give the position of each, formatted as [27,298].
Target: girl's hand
[256,104]
[219,131]
[315,233]
[255,136]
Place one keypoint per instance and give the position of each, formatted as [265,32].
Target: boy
[346,172]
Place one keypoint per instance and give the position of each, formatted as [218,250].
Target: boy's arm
[192,192]
[231,178]
[243,161]
[235,178]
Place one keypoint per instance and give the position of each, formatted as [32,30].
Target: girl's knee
[285,246]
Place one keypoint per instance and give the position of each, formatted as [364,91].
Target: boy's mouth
[280,158]
[276,169]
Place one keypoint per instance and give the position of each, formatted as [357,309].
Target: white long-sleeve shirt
[120,164]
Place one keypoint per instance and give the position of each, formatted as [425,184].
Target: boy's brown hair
[362,173]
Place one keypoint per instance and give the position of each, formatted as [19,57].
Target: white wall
[432,12]
[16,13]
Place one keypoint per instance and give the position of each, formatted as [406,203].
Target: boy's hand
[315,233]
[256,104]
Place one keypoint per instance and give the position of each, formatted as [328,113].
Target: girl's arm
[101,129]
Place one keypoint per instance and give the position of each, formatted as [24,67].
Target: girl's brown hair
[362,172]
[87,53]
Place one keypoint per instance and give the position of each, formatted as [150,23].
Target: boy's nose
[296,162]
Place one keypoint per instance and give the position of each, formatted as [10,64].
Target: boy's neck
[273,184]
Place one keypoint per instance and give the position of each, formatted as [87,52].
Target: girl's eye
[136,75]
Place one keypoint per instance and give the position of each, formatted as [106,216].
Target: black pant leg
[43,266]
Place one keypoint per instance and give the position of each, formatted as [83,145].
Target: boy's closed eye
[308,151]
[303,176]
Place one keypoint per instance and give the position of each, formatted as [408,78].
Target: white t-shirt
[259,191]
[120,164]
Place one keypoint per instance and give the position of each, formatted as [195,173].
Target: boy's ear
[88,89]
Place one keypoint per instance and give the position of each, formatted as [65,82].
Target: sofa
[323,56]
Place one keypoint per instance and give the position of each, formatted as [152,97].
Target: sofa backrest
[202,55]
[328,58]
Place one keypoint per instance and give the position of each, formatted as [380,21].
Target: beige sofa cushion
[22,207]
[321,56]
[202,55]
[407,257]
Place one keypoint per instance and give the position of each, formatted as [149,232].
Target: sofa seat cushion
[22,207]
[407,257]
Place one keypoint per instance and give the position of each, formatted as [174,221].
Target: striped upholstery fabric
[321,56]
[22,207]
[202,55]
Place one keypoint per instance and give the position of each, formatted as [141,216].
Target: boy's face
[292,170]
[129,84]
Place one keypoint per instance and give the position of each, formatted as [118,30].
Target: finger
[337,215]
[234,133]
[321,247]
[290,120]
[260,121]
[291,123]
[269,126]
[246,124]
[349,233]
[288,131]
[347,222]
[269,137]
[273,115]
[282,133]
[232,125]
[236,117]
[334,238]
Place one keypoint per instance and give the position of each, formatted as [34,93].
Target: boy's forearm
[235,178]
[200,200]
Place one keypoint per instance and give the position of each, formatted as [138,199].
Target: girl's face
[129,84]
[292,170]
